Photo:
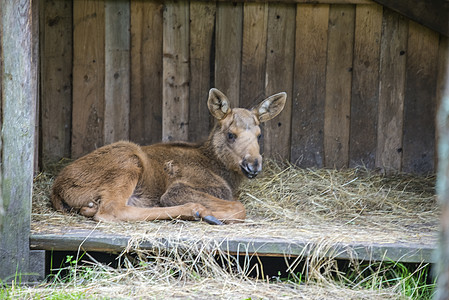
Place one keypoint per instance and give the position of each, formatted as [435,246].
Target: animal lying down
[127,182]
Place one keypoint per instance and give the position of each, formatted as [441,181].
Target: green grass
[410,280]
[72,280]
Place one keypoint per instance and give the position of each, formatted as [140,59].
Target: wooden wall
[362,80]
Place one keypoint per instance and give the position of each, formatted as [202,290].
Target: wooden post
[19,94]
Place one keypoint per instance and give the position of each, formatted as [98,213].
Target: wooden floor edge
[99,241]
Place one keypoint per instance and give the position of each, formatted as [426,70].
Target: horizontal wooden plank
[89,240]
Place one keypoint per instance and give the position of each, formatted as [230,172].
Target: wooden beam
[89,240]
[19,94]
[433,14]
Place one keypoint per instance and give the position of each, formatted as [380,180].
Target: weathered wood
[98,241]
[35,18]
[420,103]
[19,94]
[279,77]
[302,1]
[442,291]
[175,91]
[365,86]
[391,91]
[309,85]
[433,14]
[254,52]
[228,46]
[88,76]
[117,71]
[202,26]
[443,72]
[146,72]
[338,85]
[56,80]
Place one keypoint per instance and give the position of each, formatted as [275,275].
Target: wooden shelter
[364,79]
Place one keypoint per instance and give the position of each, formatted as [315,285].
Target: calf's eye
[231,137]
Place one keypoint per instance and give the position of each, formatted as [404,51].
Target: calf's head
[236,136]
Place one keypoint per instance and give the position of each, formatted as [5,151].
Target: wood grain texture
[307,140]
[302,1]
[88,76]
[228,50]
[442,188]
[338,85]
[202,26]
[254,53]
[175,89]
[391,91]
[365,86]
[279,77]
[18,102]
[433,14]
[117,71]
[443,74]
[420,100]
[56,80]
[146,72]
[260,246]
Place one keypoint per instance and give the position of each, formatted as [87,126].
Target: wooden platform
[95,240]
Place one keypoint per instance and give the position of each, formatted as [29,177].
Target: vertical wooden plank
[18,99]
[338,85]
[420,102]
[279,77]
[307,142]
[202,25]
[443,73]
[228,50]
[88,76]
[146,72]
[442,187]
[175,91]
[35,18]
[56,80]
[254,51]
[365,86]
[117,76]
[391,91]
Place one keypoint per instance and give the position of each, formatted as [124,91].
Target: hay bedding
[319,205]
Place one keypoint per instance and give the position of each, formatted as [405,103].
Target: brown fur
[124,181]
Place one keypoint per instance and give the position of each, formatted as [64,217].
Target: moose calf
[125,182]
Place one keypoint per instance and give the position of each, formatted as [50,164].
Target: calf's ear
[218,104]
[270,107]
